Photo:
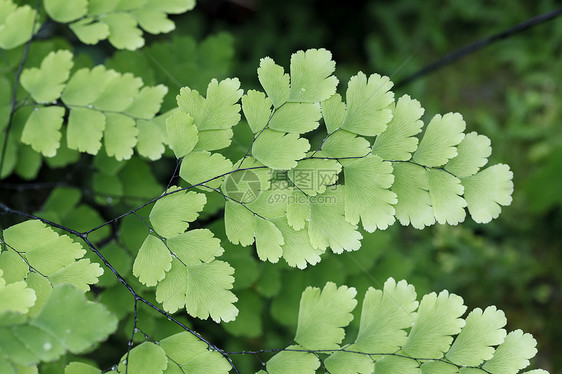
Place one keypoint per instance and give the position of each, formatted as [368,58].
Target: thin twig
[468,49]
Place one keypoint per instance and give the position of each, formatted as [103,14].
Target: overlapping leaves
[93,20]
[42,306]
[398,176]
[182,264]
[119,22]
[101,104]
[16,24]
[46,258]
[398,334]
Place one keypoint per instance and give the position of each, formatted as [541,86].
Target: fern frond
[399,335]
[101,103]
[395,177]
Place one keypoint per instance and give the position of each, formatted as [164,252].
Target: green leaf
[385,316]
[96,7]
[188,354]
[396,364]
[195,247]
[86,85]
[147,103]
[219,110]
[182,133]
[239,224]
[485,191]
[203,167]
[438,318]
[15,297]
[366,193]
[85,130]
[257,110]
[279,150]
[153,21]
[29,346]
[43,290]
[150,142]
[64,157]
[28,163]
[64,11]
[170,291]
[211,140]
[267,205]
[333,111]
[343,362]
[152,261]
[62,200]
[80,368]
[171,214]
[42,130]
[17,236]
[439,141]
[398,141]
[46,83]
[367,101]
[120,136]
[513,354]
[208,292]
[246,184]
[445,192]
[14,350]
[173,6]
[297,250]
[82,218]
[80,274]
[17,27]
[296,118]
[7,8]
[288,362]
[414,202]
[123,31]
[118,90]
[482,331]
[63,318]
[439,367]
[346,144]
[311,76]
[312,176]
[13,267]
[146,357]
[52,255]
[473,153]
[268,240]
[274,81]
[89,31]
[328,227]
[298,209]
[323,315]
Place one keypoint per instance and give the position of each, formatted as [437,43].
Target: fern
[391,179]
[101,104]
[317,173]
[42,281]
[93,20]
[398,334]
